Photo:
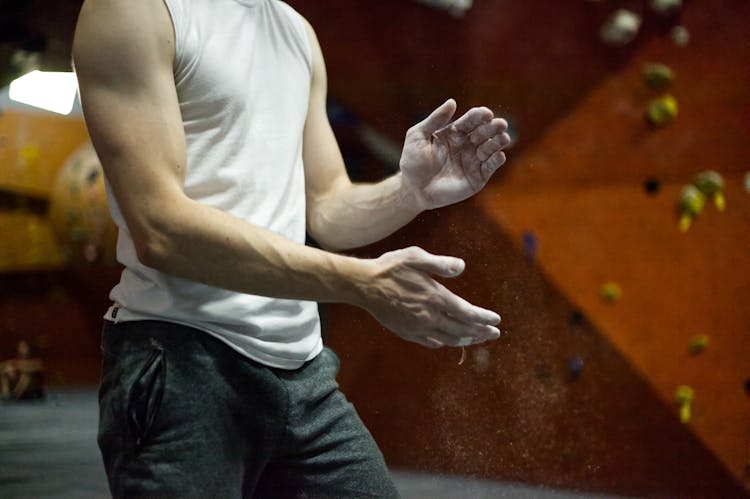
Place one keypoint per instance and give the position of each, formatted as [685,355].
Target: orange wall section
[59,311]
[580,189]
[33,147]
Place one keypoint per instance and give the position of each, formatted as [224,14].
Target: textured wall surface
[576,181]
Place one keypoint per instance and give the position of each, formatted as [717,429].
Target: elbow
[151,246]
[158,232]
[320,240]
[319,232]
[148,252]
[328,242]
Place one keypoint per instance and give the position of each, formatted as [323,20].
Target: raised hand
[443,163]
[404,297]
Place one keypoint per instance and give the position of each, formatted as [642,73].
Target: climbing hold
[711,184]
[456,8]
[339,115]
[680,36]
[621,28]
[651,186]
[91,252]
[577,318]
[575,367]
[684,397]
[77,234]
[666,7]
[698,343]
[611,292]
[92,177]
[29,155]
[529,244]
[657,76]
[662,111]
[692,201]
[747,386]
[747,182]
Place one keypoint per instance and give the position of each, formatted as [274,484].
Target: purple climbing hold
[575,367]
[530,244]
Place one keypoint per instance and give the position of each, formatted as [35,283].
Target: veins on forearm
[362,214]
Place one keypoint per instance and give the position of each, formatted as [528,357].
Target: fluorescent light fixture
[52,91]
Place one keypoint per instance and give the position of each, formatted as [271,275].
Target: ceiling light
[52,91]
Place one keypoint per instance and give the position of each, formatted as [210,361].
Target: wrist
[352,280]
[410,195]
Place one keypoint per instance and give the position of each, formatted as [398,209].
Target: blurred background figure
[22,377]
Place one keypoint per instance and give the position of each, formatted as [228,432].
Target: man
[209,118]
[23,377]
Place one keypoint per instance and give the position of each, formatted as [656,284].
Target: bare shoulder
[318,62]
[312,36]
[112,33]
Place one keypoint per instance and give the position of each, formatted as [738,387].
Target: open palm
[443,163]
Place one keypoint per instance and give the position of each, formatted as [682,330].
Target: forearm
[200,243]
[360,214]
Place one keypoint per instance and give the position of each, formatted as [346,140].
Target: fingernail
[458,267]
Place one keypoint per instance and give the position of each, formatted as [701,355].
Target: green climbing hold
[657,76]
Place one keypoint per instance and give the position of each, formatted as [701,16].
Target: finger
[487,131]
[463,311]
[438,119]
[492,163]
[427,341]
[446,339]
[443,266]
[458,333]
[472,119]
[488,148]
[504,139]
[466,341]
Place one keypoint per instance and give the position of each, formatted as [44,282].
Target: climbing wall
[33,147]
[56,244]
[579,392]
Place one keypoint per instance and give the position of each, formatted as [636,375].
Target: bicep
[130,103]
[325,172]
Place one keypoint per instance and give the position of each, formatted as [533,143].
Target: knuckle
[414,253]
[411,250]
[422,317]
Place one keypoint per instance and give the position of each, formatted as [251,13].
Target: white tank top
[242,70]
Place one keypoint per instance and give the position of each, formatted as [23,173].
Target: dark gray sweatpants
[183,415]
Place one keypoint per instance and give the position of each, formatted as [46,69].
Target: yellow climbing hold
[684,397]
[711,184]
[691,204]
[662,111]
[611,292]
[657,76]
[698,343]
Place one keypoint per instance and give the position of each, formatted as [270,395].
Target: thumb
[438,118]
[443,266]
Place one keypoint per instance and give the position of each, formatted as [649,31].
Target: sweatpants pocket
[145,396]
